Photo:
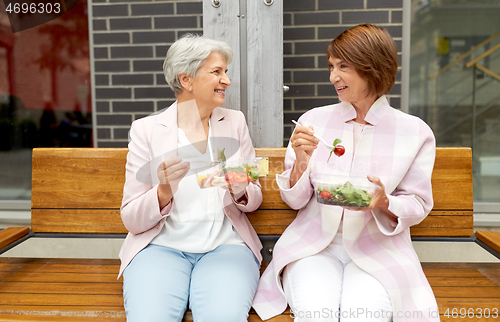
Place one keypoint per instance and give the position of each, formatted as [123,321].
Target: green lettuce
[347,196]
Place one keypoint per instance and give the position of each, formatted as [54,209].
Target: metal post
[243,59]
[405,53]
[254,29]
[265,72]
[473,137]
[221,22]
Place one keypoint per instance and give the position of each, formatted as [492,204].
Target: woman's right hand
[303,143]
[170,173]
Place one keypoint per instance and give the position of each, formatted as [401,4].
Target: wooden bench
[77,193]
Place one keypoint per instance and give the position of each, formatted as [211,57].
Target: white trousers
[329,286]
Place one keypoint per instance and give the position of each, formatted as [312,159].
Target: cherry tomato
[325,194]
[339,150]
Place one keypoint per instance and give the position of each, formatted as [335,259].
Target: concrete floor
[109,248]
[427,251]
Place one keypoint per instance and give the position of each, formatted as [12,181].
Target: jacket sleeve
[412,200]
[253,190]
[140,209]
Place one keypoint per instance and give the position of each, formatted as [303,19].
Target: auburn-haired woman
[346,263]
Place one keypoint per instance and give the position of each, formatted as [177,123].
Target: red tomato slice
[240,177]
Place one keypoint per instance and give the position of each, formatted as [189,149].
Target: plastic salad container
[230,172]
[343,191]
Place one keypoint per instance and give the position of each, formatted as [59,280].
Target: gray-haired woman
[189,247]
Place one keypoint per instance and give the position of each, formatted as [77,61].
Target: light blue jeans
[219,285]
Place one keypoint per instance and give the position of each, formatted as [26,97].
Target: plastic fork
[329,146]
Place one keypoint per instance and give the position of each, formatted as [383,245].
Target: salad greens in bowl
[343,191]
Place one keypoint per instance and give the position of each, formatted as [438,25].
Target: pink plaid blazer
[398,148]
[153,139]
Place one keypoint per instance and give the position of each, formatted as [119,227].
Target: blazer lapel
[220,126]
[163,143]
[224,134]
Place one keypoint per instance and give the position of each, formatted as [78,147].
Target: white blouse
[197,223]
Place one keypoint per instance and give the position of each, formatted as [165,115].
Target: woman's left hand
[379,200]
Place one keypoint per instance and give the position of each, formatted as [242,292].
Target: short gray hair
[188,54]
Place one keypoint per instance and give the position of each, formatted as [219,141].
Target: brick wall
[131,39]
[308,28]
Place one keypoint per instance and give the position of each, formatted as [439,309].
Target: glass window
[455,81]
[44,94]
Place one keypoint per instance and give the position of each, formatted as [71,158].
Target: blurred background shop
[44,94]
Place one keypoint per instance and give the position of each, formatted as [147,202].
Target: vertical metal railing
[475,64]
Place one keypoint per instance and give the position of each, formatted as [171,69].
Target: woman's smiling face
[209,86]
[351,87]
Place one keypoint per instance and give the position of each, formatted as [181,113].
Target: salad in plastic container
[230,172]
[343,191]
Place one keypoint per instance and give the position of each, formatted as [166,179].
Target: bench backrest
[79,191]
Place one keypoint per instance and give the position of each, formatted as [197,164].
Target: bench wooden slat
[435,233]
[437,221]
[12,234]
[271,222]
[93,178]
[460,281]
[461,273]
[59,277]
[62,277]
[490,239]
[87,288]
[437,225]
[59,270]
[61,299]
[56,267]
[466,292]
[265,221]
[101,309]
[452,179]
[77,221]
[459,303]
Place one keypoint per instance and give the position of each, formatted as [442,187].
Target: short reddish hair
[372,52]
